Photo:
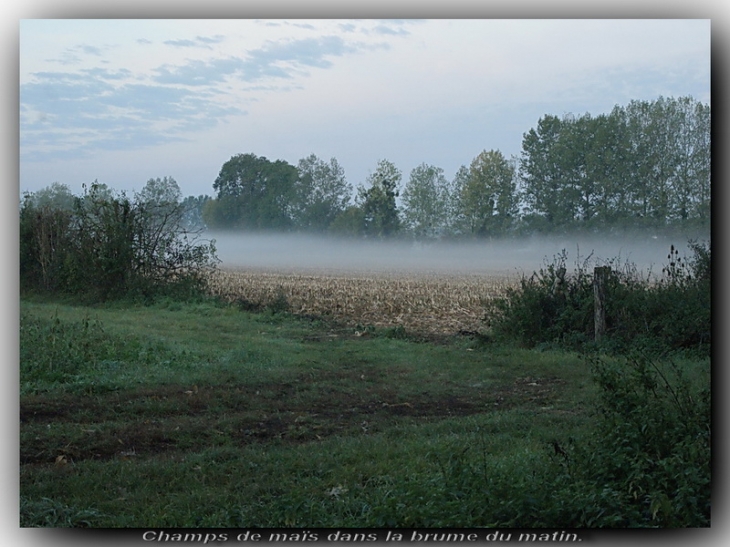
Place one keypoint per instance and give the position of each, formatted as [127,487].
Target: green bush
[108,246]
[648,463]
[555,307]
[681,303]
[280,303]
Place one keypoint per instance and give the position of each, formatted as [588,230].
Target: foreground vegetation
[105,246]
[199,414]
[672,312]
[157,405]
[208,416]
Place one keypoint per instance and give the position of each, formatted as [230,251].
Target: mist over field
[307,252]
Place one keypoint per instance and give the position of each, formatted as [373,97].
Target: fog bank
[307,252]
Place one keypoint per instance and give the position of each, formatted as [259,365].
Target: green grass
[205,416]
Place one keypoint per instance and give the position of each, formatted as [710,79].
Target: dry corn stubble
[439,303]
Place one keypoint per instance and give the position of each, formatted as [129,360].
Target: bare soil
[175,419]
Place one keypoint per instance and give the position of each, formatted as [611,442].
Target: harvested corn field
[436,303]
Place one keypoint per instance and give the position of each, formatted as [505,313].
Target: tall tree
[253,193]
[380,212]
[607,168]
[161,191]
[159,200]
[489,197]
[323,193]
[46,218]
[645,164]
[425,201]
[457,221]
[56,196]
[542,175]
[573,151]
[192,207]
[350,222]
[651,132]
[691,181]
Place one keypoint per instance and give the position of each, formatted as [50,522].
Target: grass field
[201,415]
[326,401]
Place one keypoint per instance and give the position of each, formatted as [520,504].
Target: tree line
[643,165]
[646,164]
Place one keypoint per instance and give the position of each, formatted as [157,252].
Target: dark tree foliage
[350,222]
[253,193]
[380,213]
[45,240]
[542,173]
[322,194]
[643,165]
[426,199]
[193,212]
[488,197]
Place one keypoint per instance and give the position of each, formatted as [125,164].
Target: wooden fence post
[600,277]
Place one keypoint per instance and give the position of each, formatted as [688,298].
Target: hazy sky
[122,101]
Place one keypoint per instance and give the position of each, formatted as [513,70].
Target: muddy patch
[173,418]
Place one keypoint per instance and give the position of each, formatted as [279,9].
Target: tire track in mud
[174,418]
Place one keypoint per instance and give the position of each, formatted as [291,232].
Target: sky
[122,101]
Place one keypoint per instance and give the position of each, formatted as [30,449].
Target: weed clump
[647,463]
[80,353]
[280,302]
[52,350]
[555,308]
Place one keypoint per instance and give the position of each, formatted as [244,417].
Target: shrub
[681,303]
[555,307]
[109,246]
[550,306]
[648,464]
[280,302]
